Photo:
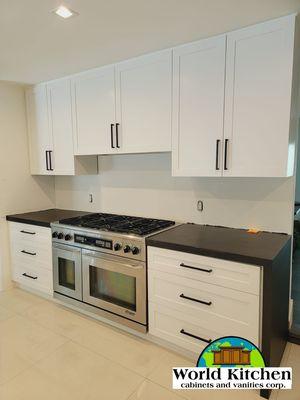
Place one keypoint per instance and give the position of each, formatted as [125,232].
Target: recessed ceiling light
[64,12]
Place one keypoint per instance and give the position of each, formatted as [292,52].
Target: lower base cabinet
[31,256]
[188,309]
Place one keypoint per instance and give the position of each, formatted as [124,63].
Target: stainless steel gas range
[99,264]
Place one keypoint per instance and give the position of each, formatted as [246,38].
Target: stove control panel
[112,244]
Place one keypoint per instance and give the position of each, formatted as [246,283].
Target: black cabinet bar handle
[28,233]
[29,276]
[195,337]
[47,165]
[207,303]
[117,135]
[112,136]
[217,154]
[28,252]
[226,154]
[50,160]
[198,269]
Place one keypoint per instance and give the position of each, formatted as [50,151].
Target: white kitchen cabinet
[40,142]
[31,256]
[144,102]
[198,107]
[50,130]
[94,111]
[251,130]
[61,128]
[195,299]
[258,100]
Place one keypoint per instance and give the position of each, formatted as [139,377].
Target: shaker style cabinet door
[60,117]
[258,100]
[94,111]
[144,102]
[40,141]
[198,107]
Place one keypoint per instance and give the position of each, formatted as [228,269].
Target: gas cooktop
[119,223]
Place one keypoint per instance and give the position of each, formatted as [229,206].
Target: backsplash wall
[142,185]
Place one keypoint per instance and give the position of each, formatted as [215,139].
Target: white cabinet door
[198,107]
[144,102]
[60,117]
[40,143]
[94,111]
[258,99]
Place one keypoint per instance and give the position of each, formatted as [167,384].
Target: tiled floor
[49,352]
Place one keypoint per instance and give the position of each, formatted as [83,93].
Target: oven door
[67,271]
[115,284]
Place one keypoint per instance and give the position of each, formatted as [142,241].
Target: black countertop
[44,217]
[220,242]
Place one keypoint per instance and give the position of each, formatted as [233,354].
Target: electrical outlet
[91,198]
[200,205]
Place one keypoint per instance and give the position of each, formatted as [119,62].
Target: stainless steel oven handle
[124,262]
[135,267]
[66,247]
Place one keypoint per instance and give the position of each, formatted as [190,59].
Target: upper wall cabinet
[94,111]
[198,105]
[258,100]
[144,102]
[38,128]
[257,137]
[50,131]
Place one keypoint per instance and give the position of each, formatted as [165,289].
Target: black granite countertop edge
[29,221]
[259,262]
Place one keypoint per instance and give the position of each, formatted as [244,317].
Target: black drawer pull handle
[195,337]
[198,269]
[217,154]
[117,135]
[28,233]
[207,303]
[29,276]
[28,252]
[112,136]
[226,154]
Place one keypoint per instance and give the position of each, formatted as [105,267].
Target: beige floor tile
[150,391]
[72,373]
[4,313]
[294,354]
[134,353]
[17,300]
[22,342]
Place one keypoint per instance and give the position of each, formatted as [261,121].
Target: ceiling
[36,45]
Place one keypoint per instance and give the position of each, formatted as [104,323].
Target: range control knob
[135,250]
[126,249]
[68,237]
[60,235]
[117,246]
[54,235]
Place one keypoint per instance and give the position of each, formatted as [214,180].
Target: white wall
[19,192]
[143,185]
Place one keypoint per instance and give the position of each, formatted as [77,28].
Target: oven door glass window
[66,273]
[113,287]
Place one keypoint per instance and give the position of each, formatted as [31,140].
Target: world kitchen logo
[231,362]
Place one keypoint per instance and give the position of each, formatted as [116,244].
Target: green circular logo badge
[230,352]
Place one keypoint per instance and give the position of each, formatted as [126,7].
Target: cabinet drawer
[25,253]
[215,305]
[242,277]
[39,279]
[29,233]
[176,327]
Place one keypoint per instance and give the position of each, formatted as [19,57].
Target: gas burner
[119,223]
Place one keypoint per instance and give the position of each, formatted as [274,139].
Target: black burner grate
[119,223]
